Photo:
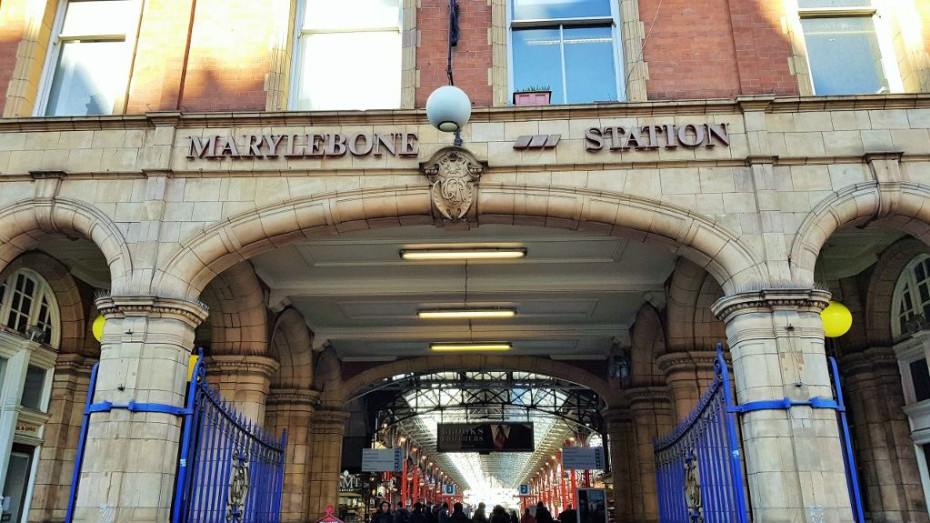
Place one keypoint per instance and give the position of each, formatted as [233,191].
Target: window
[569,46]
[911,305]
[845,50]
[89,59]
[27,306]
[348,55]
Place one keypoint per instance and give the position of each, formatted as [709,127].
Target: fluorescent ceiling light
[479,253]
[469,347]
[446,314]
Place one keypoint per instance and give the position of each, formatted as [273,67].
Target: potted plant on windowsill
[532,95]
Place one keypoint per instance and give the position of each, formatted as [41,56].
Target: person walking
[499,515]
[384,514]
[542,514]
[527,517]
[480,516]
[418,515]
[458,514]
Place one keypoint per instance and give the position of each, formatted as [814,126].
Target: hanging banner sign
[382,460]
[484,437]
[583,458]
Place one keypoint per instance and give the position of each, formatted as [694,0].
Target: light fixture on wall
[476,253]
[448,107]
[484,346]
[466,313]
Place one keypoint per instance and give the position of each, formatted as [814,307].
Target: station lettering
[313,145]
[652,137]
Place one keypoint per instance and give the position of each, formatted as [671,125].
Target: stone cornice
[480,114]
[243,363]
[768,300]
[152,306]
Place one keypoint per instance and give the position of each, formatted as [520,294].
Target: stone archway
[709,244]
[61,215]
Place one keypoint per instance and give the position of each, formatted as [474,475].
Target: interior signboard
[485,437]
[592,505]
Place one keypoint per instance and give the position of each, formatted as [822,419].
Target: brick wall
[229,57]
[12,20]
[471,58]
[159,64]
[692,52]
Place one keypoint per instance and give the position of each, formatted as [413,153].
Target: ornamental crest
[693,488]
[238,486]
[453,174]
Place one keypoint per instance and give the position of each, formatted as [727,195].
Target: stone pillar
[885,454]
[623,462]
[793,457]
[61,437]
[327,428]
[130,459]
[652,417]
[292,410]
[688,375]
[244,379]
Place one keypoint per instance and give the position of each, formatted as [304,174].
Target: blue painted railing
[698,468]
[229,469]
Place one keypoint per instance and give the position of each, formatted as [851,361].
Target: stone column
[623,461]
[885,454]
[688,375]
[652,417]
[292,409]
[130,459]
[61,436]
[794,461]
[244,379]
[327,428]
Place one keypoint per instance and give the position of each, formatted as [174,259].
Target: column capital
[191,313]
[617,415]
[686,361]
[769,300]
[310,398]
[871,360]
[244,363]
[645,397]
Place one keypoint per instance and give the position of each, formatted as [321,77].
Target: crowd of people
[427,512]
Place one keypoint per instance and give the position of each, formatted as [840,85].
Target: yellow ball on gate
[97,327]
[837,320]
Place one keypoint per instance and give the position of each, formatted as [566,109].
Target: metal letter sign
[524,489]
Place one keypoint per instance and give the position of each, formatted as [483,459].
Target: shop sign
[27,429]
[310,145]
[652,137]
[349,482]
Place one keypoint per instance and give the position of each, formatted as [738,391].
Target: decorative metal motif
[238,485]
[453,174]
[698,467]
[693,488]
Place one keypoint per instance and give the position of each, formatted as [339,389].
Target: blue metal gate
[698,470]
[229,469]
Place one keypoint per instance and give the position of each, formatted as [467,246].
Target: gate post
[130,459]
[794,458]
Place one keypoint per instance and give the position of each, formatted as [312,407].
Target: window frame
[53,55]
[42,291]
[560,24]
[297,58]
[907,280]
[890,69]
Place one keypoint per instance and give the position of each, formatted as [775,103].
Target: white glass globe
[448,108]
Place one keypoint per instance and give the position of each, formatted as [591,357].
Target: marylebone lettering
[312,145]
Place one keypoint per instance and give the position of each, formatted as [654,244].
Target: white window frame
[42,290]
[54,53]
[297,61]
[882,34]
[907,280]
[560,23]
[918,413]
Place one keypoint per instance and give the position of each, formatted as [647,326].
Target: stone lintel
[770,300]
[152,306]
